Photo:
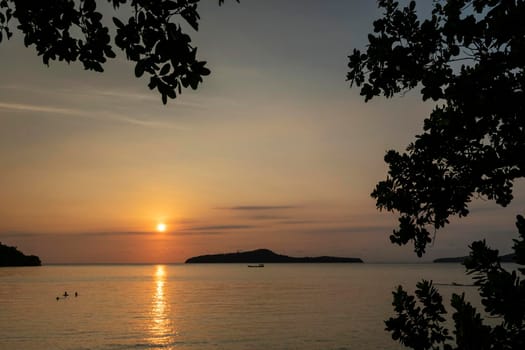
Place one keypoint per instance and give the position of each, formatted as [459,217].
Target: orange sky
[274,150]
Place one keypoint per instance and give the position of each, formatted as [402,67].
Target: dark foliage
[469,57]
[68,30]
[419,323]
[10,256]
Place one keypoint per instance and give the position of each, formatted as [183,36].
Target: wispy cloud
[18,234]
[201,230]
[298,222]
[260,207]
[105,116]
[84,91]
[205,233]
[73,234]
[122,94]
[267,217]
[145,123]
[348,229]
[187,101]
[219,228]
[39,109]
[113,233]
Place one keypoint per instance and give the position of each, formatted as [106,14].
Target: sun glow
[161,227]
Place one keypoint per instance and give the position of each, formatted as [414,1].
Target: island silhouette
[11,256]
[264,256]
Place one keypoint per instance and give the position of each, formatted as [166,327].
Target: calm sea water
[280,306]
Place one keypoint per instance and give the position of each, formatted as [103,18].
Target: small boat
[258,265]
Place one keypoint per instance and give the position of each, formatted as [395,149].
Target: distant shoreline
[265,256]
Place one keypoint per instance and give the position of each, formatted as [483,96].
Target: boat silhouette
[258,265]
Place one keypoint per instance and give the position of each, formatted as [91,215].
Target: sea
[210,306]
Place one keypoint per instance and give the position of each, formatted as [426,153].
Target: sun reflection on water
[161,328]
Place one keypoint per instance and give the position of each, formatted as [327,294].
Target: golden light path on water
[161,327]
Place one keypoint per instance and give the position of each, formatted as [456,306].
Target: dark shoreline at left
[12,257]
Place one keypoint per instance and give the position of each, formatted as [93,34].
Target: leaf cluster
[6,13]
[415,326]
[468,57]
[419,320]
[152,37]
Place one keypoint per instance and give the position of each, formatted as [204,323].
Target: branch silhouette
[152,37]
[468,57]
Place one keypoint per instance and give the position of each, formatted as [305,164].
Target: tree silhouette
[68,30]
[469,57]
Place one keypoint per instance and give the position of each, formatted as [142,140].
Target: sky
[274,150]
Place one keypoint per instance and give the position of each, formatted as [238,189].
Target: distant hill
[460,259]
[10,256]
[263,256]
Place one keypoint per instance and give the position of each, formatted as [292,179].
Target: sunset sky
[273,151]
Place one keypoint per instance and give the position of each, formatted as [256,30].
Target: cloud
[298,222]
[268,217]
[39,108]
[74,234]
[188,101]
[211,230]
[113,233]
[204,233]
[101,116]
[18,234]
[349,229]
[219,228]
[260,207]
[204,230]
[84,91]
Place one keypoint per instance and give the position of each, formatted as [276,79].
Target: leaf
[194,82]
[139,69]
[142,17]
[97,67]
[165,69]
[96,17]
[89,5]
[152,83]
[117,22]
[204,71]
[109,52]
[191,17]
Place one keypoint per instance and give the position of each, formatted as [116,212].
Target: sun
[161,227]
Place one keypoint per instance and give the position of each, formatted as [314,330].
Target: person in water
[65,294]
